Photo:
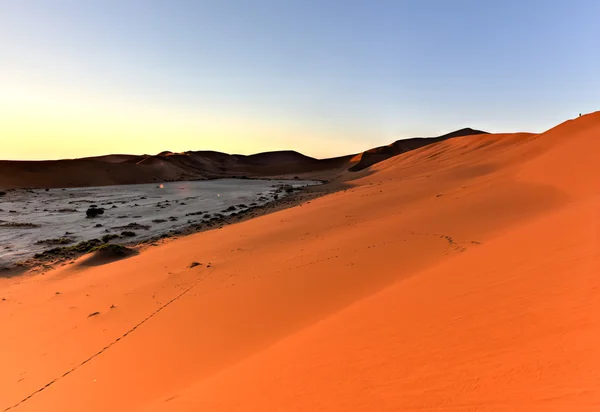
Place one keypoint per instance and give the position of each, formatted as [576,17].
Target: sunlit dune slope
[458,276]
[379,154]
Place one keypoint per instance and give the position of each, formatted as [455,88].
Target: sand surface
[461,276]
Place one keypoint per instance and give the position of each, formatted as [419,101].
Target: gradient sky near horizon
[83,78]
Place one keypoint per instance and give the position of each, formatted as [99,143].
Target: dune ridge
[458,276]
[192,165]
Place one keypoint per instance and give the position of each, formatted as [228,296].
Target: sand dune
[379,154]
[168,166]
[459,276]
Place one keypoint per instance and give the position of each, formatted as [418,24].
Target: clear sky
[323,77]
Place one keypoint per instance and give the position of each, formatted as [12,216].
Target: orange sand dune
[460,276]
[381,153]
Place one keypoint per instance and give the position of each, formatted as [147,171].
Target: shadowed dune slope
[458,276]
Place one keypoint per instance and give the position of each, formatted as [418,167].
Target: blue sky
[321,77]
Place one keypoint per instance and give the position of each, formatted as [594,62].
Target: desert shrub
[108,237]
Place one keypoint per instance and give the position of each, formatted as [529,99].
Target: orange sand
[461,276]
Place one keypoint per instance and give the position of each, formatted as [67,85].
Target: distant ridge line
[166,166]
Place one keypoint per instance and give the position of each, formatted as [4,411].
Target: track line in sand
[104,349]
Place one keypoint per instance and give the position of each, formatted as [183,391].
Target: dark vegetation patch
[133,226]
[70,251]
[107,238]
[113,249]
[55,241]
[94,211]
[16,225]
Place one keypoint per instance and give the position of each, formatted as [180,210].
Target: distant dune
[168,166]
[458,276]
[378,154]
